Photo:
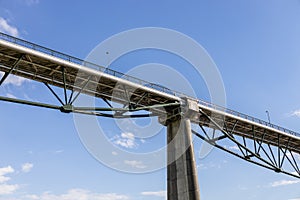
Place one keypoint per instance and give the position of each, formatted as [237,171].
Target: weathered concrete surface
[182,176]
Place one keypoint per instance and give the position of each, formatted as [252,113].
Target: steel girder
[66,103]
[264,144]
[279,158]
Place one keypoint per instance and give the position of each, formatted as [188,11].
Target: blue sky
[255,45]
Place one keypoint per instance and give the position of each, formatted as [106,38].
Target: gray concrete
[182,176]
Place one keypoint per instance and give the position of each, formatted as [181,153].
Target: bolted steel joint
[188,109]
[66,108]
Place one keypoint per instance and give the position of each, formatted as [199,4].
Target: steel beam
[282,162]
[11,69]
[276,144]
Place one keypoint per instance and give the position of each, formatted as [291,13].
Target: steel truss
[260,143]
[279,158]
[67,102]
[256,150]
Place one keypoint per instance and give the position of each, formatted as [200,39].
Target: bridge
[255,141]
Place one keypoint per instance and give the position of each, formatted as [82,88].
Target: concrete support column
[182,176]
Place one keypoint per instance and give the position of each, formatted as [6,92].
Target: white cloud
[79,194]
[161,193]
[7,28]
[4,179]
[14,80]
[295,199]
[296,113]
[212,165]
[135,164]
[11,96]
[235,147]
[292,155]
[143,141]
[31,2]
[126,140]
[6,170]
[128,136]
[30,152]
[26,167]
[295,173]
[58,151]
[284,182]
[3,172]
[6,188]
[114,153]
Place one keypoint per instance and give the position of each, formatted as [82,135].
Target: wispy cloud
[135,164]
[161,193]
[292,155]
[8,189]
[143,141]
[14,80]
[8,28]
[26,167]
[4,187]
[59,151]
[4,171]
[31,2]
[212,165]
[126,140]
[295,173]
[235,147]
[296,113]
[284,183]
[77,194]
[4,179]
[11,96]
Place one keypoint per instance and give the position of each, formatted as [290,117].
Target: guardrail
[244,116]
[78,61]
[72,59]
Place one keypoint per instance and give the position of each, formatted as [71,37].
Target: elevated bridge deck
[41,64]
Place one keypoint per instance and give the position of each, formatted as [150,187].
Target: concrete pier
[182,179]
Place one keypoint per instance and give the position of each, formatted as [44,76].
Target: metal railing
[244,116]
[78,61]
[158,87]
